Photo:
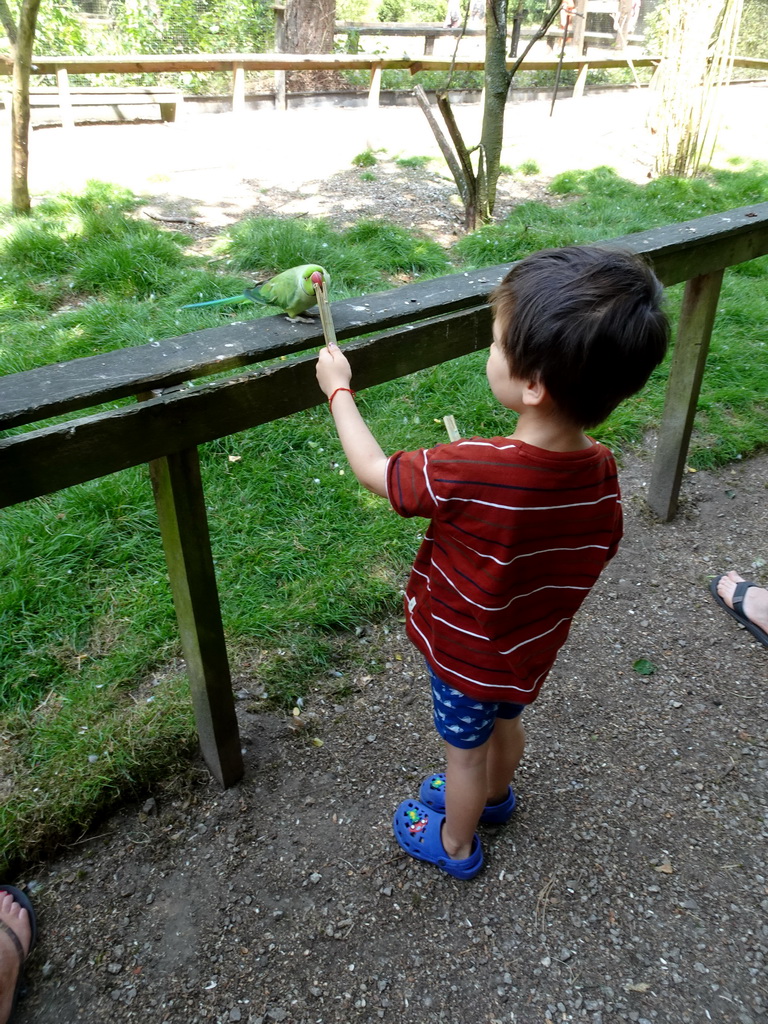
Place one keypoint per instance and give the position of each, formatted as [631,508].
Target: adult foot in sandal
[17,936]
[418,829]
[745,601]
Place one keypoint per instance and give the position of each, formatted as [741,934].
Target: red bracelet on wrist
[330,400]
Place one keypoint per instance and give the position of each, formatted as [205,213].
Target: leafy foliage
[157,26]
[60,29]
[365,159]
[391,10]
[216,26]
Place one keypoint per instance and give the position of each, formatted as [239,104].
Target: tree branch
[445,148]
[542,30]
[444,106]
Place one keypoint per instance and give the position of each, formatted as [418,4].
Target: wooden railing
[421,325]
[238,63]
[355,30]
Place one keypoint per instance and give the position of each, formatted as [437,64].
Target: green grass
[93,708]
[365,159]
[528,168]
[416,162]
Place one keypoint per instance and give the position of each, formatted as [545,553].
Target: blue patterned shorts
[465,721]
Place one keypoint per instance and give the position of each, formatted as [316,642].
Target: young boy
[521,526]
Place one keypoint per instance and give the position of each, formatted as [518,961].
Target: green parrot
[293,290]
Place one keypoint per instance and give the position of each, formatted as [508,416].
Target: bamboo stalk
[697,62]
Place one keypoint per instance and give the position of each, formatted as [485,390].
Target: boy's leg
[466,790]
[505,750]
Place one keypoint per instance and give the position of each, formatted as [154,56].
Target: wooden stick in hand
[321,291]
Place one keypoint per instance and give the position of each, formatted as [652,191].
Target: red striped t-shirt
[518,536]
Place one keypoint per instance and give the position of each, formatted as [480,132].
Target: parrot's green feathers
[214,302]
[292,290]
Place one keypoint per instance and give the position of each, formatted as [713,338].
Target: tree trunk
[309,28]
[478,190]
[497,80]
[22,41]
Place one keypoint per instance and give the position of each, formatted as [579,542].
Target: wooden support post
[579,25]
[429,45]
[65,99]
[373,137]
[581,81]
[238,88]
[688,359]
[178,489]
[281,94]
[374,92]
[281,97]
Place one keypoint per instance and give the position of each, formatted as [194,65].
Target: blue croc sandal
[23,901]
[418,830]
[432,793]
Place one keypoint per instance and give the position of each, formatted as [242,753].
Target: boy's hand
[333,369]
[368,461]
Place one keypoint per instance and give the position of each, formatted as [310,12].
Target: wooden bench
[54,104]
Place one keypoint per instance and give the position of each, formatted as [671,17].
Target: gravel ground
[631,885]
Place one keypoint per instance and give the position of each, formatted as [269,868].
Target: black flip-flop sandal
[23,901]
[737,612]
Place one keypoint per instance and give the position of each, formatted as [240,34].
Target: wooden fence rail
[355,30]
[279,63]
[238,63]
[421,325]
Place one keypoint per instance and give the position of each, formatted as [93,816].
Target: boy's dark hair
[585,320]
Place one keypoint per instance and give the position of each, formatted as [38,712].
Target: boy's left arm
[366,458]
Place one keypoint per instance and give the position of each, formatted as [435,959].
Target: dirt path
[632,884]
[220,167]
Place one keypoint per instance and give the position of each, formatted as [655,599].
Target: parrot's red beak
[317,278]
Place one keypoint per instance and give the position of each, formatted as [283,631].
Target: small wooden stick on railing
[450,426]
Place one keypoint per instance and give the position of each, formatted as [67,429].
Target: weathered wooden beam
[578,25]
[238,89]
[759,63]
[581,81]
[178,491]
[678,252]
[52,458]
[155,63]
[48,391]
[686,371]
[374,92]
[65,100]
[281,95]
[397,28]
